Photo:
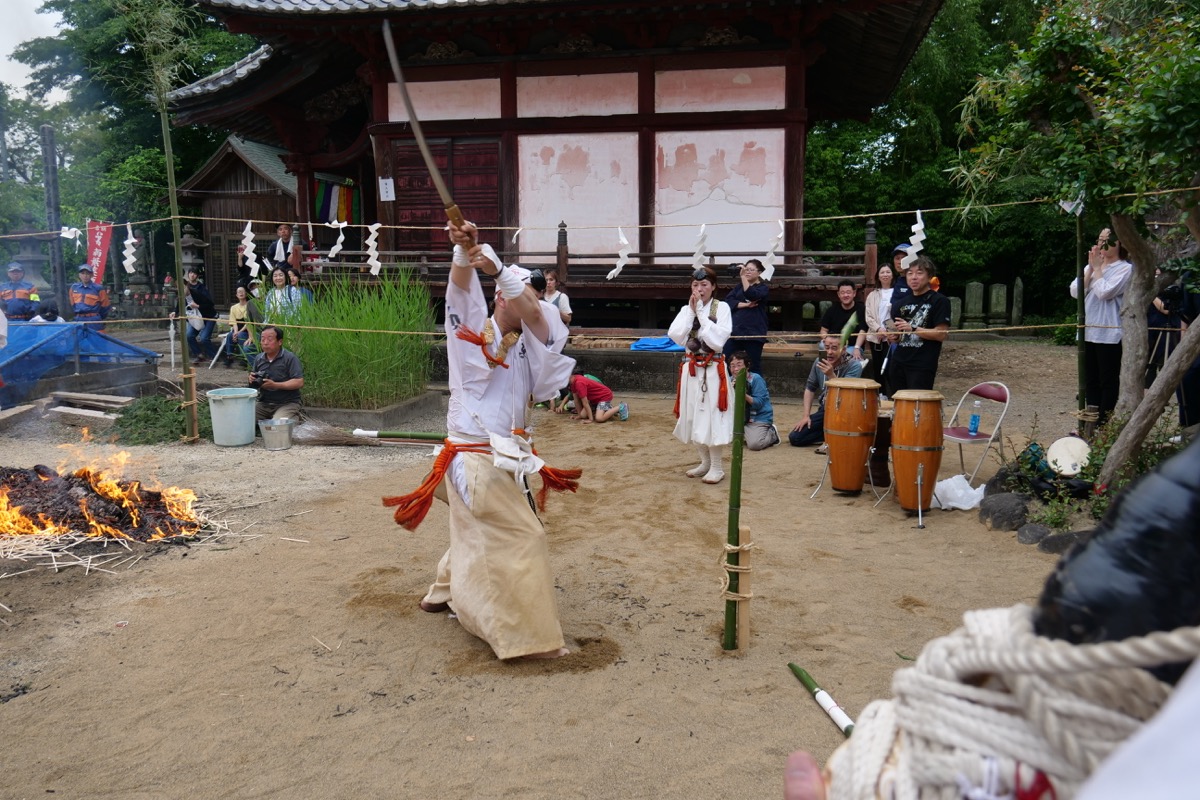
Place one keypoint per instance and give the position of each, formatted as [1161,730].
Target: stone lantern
[193,250]
[30,255]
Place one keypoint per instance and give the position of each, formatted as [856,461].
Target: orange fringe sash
[412,507]
[703,361]
[486,338]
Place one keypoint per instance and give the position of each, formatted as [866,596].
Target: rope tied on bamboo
[723,561]
[1046,712]
[1086,415]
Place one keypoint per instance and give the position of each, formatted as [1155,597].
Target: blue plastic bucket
[232,416]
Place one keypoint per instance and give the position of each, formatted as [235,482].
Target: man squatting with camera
[278,377]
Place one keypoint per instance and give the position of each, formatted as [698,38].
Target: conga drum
[916,446]
[850,408]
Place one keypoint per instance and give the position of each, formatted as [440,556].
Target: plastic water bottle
[973,424]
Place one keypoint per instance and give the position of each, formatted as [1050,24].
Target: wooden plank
[10,416]
[101,401]
[84,417]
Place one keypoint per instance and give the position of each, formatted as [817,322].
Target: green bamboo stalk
[422,435]
[733,557]
[835,712]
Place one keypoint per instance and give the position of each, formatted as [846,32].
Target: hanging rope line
[771,220]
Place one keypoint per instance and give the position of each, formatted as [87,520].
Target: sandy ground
[266,667]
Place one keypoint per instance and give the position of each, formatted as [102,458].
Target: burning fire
[92,501]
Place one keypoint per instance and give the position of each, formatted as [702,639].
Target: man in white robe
[496,575]
[703,404]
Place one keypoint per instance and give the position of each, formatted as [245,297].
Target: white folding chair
[991,394]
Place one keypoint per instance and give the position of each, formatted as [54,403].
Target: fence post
[870,256]
[561,259]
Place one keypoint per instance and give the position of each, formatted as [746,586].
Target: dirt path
[272,668]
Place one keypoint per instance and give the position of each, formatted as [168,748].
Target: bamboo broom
[316,432]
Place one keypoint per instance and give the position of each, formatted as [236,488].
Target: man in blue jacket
[17,295]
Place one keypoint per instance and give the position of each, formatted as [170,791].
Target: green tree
[899,160]
[92,58]
[1104,103]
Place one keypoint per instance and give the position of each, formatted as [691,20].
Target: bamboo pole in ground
[743,620]
[732,555]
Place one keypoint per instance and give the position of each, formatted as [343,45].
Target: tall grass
[344,368]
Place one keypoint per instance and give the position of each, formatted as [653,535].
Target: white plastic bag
[956,494]
[194,319]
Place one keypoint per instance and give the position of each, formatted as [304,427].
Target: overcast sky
[21,23]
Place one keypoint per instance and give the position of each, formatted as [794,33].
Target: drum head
[1068,456]
[918,395]
[854,383]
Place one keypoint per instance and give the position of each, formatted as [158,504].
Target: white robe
[700,420]
[496,574]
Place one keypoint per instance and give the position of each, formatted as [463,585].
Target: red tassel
[1037,790]
[560,480]
[678,389]
[412,507]
[468,335]
[723,392]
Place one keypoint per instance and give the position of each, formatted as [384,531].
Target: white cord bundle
[992,704]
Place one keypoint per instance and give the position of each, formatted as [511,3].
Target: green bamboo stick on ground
[835,712]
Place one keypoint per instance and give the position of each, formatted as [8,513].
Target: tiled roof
[268,160]
[350,6]
[226,77]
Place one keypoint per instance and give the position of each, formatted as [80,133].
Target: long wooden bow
[452,212]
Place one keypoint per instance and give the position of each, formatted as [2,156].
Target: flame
[98,529]
[179,503]
[109,488]
[134,497]
[13,521]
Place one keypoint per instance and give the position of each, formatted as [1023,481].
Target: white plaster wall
[577,95]
[582,179]
[751,89]
[478,99]
[709,177]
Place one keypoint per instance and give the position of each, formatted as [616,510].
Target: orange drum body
[851,406]
[916,446]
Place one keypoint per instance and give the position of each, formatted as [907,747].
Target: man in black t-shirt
[837,315]
[922,321]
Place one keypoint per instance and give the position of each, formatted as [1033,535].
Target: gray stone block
[1058,543]
[1004,512]
[1032,533]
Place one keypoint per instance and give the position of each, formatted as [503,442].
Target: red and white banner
[99,234]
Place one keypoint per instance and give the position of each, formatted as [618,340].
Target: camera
[1172,297]
[735,269]
[256,380]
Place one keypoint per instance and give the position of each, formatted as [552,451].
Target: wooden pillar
[561,252]
[795,142]
[647,157]
[870,256]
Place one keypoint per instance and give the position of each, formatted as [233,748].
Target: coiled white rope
[985,709]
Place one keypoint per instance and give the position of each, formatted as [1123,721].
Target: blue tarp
[37,348]
[659,343]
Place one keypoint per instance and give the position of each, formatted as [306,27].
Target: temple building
[652,117]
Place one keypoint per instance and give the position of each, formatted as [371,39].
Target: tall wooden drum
[916,446]
[851,406]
